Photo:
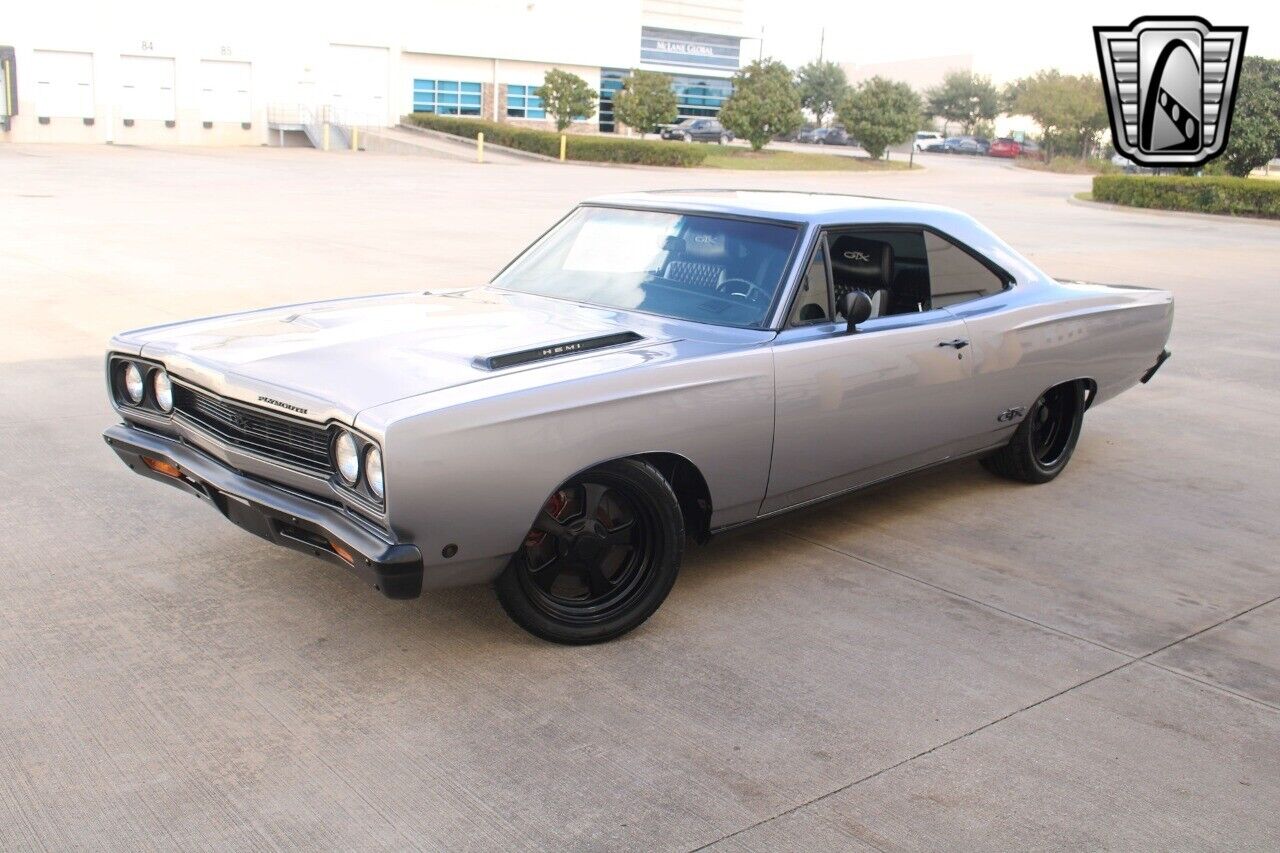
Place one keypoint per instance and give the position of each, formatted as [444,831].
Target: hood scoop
[558,350]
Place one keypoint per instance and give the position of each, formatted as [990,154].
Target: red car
[1012,148]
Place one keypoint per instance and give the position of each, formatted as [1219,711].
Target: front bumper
[277,515]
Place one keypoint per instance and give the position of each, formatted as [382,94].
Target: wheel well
[690,488]
[1090,391]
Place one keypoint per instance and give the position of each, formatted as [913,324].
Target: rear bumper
[277,515]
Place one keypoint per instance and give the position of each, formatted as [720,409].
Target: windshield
[701,268]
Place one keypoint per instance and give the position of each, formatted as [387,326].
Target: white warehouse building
[153,74]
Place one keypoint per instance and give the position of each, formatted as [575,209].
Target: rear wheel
[601,557]
[1043,443]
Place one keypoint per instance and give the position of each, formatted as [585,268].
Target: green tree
[822,87]
[764,103]
[964,97]
[1255,124]
[879,113]
[1070,108]
[566,96]
[645,99]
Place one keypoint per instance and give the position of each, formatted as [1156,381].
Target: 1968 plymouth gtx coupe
[656,367]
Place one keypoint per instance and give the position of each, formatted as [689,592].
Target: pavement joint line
[1130,660]
[920,754]
[1143,658]
[1218,687]
[988,605]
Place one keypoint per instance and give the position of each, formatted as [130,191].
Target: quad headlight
[373,471]
[133,386]
[163,390]
[346,455]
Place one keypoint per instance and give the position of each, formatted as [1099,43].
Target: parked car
[656,366]
[975,145]
[925,138]
[809,135]
[834,136]
[698,130]
[1010,148]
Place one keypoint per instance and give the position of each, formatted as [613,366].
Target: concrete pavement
[950,661]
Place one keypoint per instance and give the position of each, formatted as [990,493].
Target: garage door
[146,88]
[358,81]
[224,91]
[64,83]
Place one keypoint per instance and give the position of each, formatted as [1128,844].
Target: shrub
[596,149]
[764,103]
[566,96]
[645,100]
[879,113]
[1235,196]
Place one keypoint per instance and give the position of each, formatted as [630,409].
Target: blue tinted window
[708,269]
[447,97]
[523,103]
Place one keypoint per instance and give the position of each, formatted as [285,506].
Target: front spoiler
[279,516]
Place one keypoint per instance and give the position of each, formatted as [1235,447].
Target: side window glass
[813,300]
[890,266]
[955,276]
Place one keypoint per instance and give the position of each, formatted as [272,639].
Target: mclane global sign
[1170,85]
[698,50]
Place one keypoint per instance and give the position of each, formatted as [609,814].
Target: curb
[1176,214]
[463,142]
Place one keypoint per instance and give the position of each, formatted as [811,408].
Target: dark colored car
[968,145]
[824,136]
[698,130]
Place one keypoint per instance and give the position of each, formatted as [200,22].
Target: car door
[854,408]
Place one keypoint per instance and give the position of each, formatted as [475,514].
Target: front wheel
[601,556]
[724,139]
[1043,443]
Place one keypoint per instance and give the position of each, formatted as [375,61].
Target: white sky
[1008,38]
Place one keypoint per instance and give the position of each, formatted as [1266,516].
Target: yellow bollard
[480,147]
[563,141]
[325,138]
[355,136]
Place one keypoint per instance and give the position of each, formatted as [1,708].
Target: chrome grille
[276,438]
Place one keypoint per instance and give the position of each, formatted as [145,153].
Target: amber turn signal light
[162,467]
[342,552]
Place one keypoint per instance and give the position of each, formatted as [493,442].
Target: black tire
[1043,443]
[584,576]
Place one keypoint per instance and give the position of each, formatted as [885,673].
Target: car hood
[335,359]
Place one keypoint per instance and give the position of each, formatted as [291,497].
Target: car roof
[819,208]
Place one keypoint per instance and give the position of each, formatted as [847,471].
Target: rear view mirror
[856,308]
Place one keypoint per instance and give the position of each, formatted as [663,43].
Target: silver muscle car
[656,367]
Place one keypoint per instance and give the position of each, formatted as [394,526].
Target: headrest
[870,262]
[704,245]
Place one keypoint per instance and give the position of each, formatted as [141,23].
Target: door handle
[958,343]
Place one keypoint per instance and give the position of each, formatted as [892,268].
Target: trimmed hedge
[596,149]
[1234,196]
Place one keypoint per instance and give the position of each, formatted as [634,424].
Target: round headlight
[347,457]
[133,383]
[373,471]
[164,390]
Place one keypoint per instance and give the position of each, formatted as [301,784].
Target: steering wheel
[742,289]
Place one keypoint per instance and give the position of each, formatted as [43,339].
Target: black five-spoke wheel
[1044,441]
[601,556]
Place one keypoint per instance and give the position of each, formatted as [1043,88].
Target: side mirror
[856,308]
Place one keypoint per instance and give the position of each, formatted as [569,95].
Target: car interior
[902,271]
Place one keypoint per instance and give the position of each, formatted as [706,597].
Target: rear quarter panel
[470,466]
[1035,337]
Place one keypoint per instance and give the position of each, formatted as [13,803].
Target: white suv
[925,138]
